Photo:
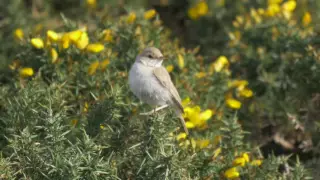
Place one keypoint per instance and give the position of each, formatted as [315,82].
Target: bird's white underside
[146,86]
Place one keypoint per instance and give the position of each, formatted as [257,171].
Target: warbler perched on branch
[152,84]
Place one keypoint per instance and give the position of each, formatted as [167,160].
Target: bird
[152,84]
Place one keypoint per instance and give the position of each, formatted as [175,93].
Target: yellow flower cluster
[241,90]
[275,8]
[26,72]
[307,18]
[78,38]
[37,43]
[195,118]
[150,14]
[193,143]
[91,4]
[200,9]
[107,35]
[169,68]
[222,63]
[54,55]
[92,69]
[131,18]
[180,61]
[19,34]
[231,173]
[238,162]
[286,8]
[198,144]
[233,103]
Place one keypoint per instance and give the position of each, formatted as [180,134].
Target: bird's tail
[183,123]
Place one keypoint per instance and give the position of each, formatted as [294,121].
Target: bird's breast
[146,87]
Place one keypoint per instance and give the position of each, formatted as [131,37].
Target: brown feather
[164,78]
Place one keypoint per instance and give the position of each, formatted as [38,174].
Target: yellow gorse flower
[85,107]
[95,48]
[233,103]
[18,34]
[289,6]
[202,8]
[74,36]
[273,9]
[221,63]
[37,43]
[14,65]
[246,92]
[74,122]
[306,20]
[150,14]
[65,41]
[200,75]
[193,14]
[198,10]
[203,143]
[185,101]
[240,84]
[256,162]
[181,136]
[54,55]
[190,125]
[52,36]
[103,65]
[91,3]
[231,173]
[216,153]
[256,16]
[195,117]
[78,37]
[93,68]
[235,37]
[180,61]
[241,87]
[26,72]
[242,160]
[170,68]
[131,18]
[107,35]
[83,41]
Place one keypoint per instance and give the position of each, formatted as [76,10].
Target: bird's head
[150,56]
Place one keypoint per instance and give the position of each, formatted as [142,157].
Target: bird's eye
[149,56]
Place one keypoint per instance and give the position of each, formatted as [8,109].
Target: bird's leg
[154,110]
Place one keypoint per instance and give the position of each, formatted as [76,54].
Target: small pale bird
[151,83]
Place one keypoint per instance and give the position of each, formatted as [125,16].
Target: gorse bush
[67,111]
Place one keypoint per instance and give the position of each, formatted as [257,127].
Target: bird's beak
[161,58]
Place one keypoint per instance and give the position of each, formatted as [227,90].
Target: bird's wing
[164,78]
